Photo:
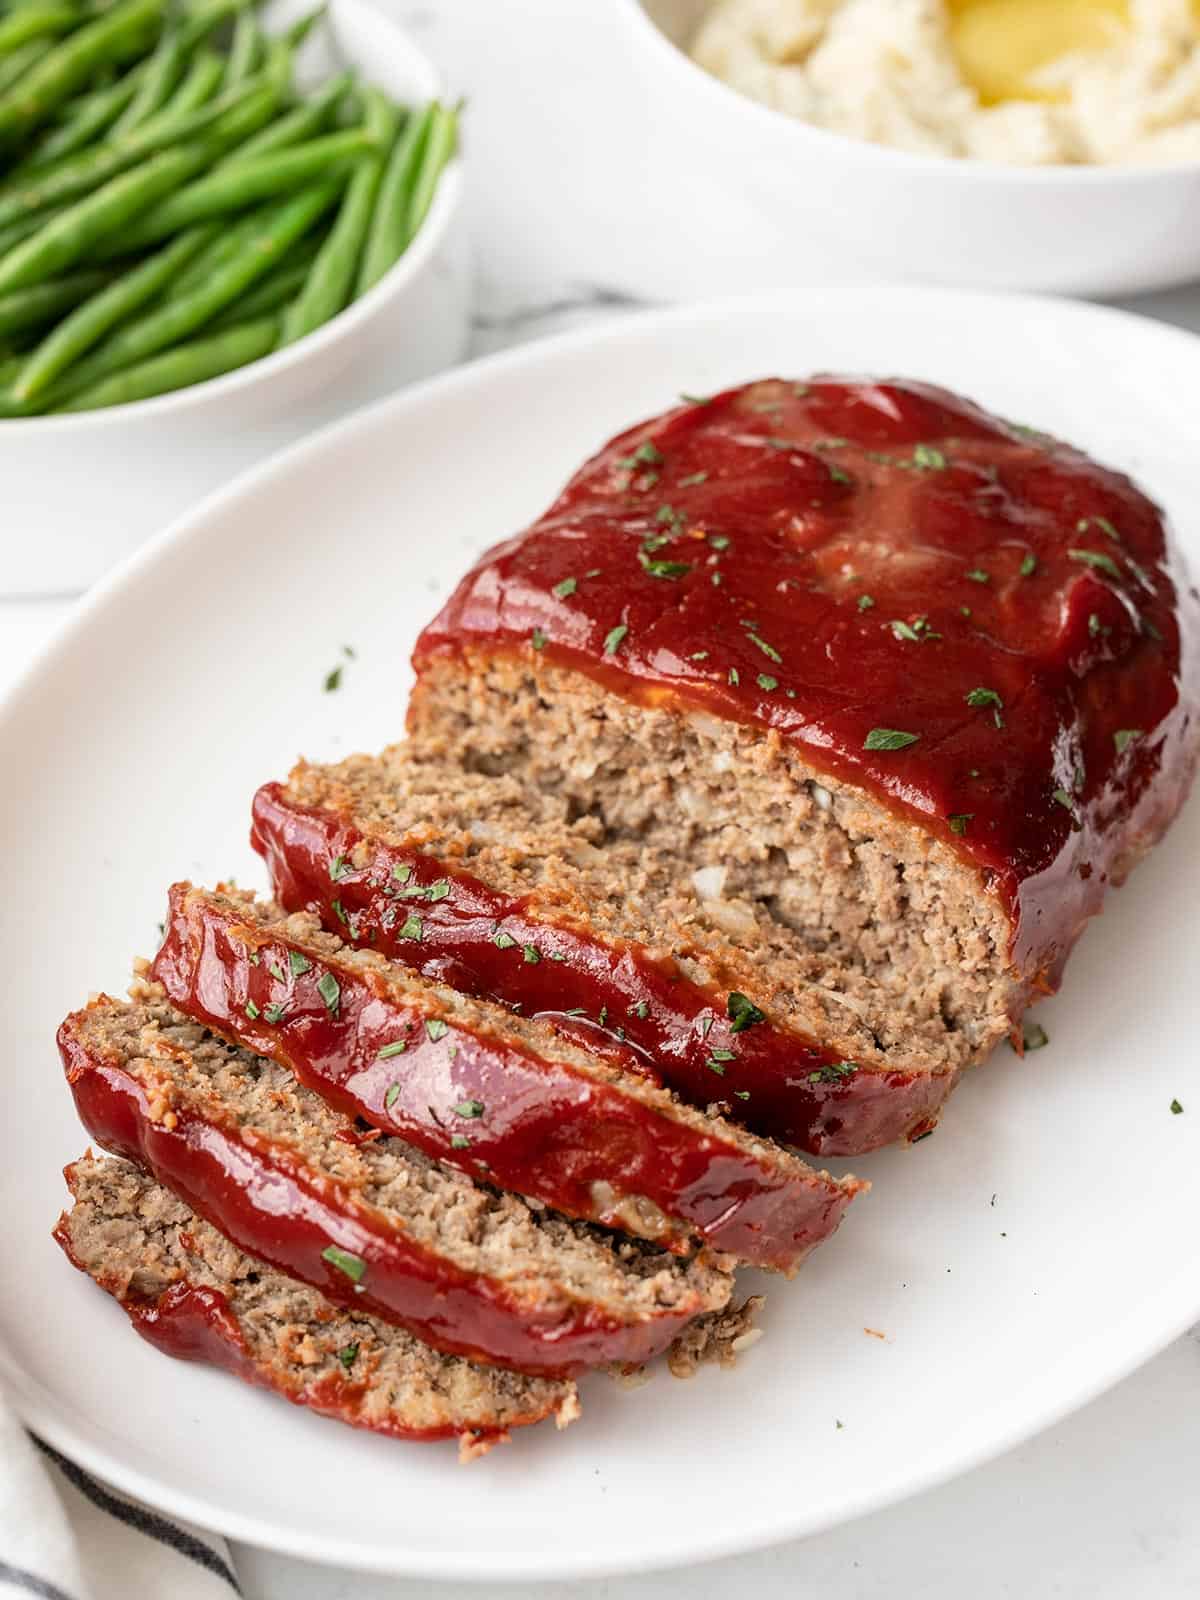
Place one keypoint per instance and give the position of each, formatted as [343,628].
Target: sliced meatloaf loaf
[368,1220]
[194,1295]
[493,1093]
[914,683]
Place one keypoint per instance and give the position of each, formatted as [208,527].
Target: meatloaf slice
[493,1093]
[368,1220]
[194,1295]
[912,683]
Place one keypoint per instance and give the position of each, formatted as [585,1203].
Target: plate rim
[1177,1305]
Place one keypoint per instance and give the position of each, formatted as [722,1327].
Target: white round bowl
[81,492]
[791,191]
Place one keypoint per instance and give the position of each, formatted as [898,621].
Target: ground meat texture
[495,1094]
[370,1221]
[194,1295]
[907,686]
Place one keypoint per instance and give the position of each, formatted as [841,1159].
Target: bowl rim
[958,169]
[446,202]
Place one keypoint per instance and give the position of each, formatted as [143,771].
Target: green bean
[29,308]
[246,48]
[23,227]
[304,122]
[295,36]
[19,63]
[114,36]
[200,84]
[439,149]
[182,367]
[96,114]
[167,324]
[35,22]
[387,236]
[77,229]
[99,314]
[241,185]
[162,74]
[331,279]
[273,294]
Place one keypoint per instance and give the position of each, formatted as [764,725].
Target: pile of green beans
[171,208]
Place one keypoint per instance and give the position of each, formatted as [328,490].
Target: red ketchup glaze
[195,1323]
[723,556]
[777,1082]
[264,1197]
[522,1122]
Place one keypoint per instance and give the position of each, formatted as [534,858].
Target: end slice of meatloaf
[369,1220]
[913,684]
[194,1295]
[495,1094]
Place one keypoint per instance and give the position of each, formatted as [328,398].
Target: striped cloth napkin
[63,1536]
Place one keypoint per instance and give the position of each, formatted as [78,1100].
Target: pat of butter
[1002,44]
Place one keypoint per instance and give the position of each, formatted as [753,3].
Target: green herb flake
[734,678]
[339,868]
[978,575]
[392,1094]
[348,1355]
[714,1065]
[742,1012]
[987,697]
[275,1011]
[1176,1109]
[413,928]
[724,1055]
[865,602]
[565,589]
[333,680]
[299,964]
[837,474]
[927,459]
[503,941]
[339,912]
[767,649]
[537,639]
[1124,737]
[402,874]
[767,682]
[1064,798]
[396,1048]
[1098,560]
[649,454]
[641,1010]
[576,1011]
[834,1072]
[706,1025]
[460,1141]
[657,569]
[1028,565]
[276,970]
[330,991]
[719,541]
[531,954]
[1102,523]
[905,630]
[436,1028]
[1034,1036]
[742,1094]
[889,739]
[353,1266]
[692,479]
[252,1011]
[699,655]
[614,637]
[469,1109]
[959,821]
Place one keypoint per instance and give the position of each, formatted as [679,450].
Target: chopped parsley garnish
[392,1095]
[699,655]
[978,575]
[348,1355]
[460,1141]
[436,1028]
[889,739]
[402,874]
[1034,1036]
[965,611]
[537,639]
[339,912]
[468,1108]
[837,474]
[1124,737]
[1095,627]
[1098,560]
[640,1010]
[958,821]
[252,1010]
[734,679]
[387,1051]
[742,1012]
[413,928]
[834,1072]
[565,589]
[927,459]
[1064,798]
[767,682]
[339,868]
[692,479]
[503,941]
[706,1025]
[719,541]
[275,1011]
[1102,523]
[742,1094]
[865,602]
[353,1266]
[905,630]
[576,1011]
[614,637]
[1176,1109]
[660,569]
[646,454]
[275,969]
[987,697]
[531,953]
[1028,565]
[330,991]
[767,649]
[298,963]
[333,680]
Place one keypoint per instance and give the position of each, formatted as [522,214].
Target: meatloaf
[493,1093]
[193,1294]
[913,683]
[367,1219]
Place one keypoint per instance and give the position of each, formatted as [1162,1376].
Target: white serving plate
[1034,1251]
[82,491]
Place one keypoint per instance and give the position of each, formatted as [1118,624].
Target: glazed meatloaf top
[193,1294]
[974,625]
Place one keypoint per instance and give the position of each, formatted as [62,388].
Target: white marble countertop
[1103,1505]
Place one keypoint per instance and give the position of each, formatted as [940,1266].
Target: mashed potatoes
[888,71]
